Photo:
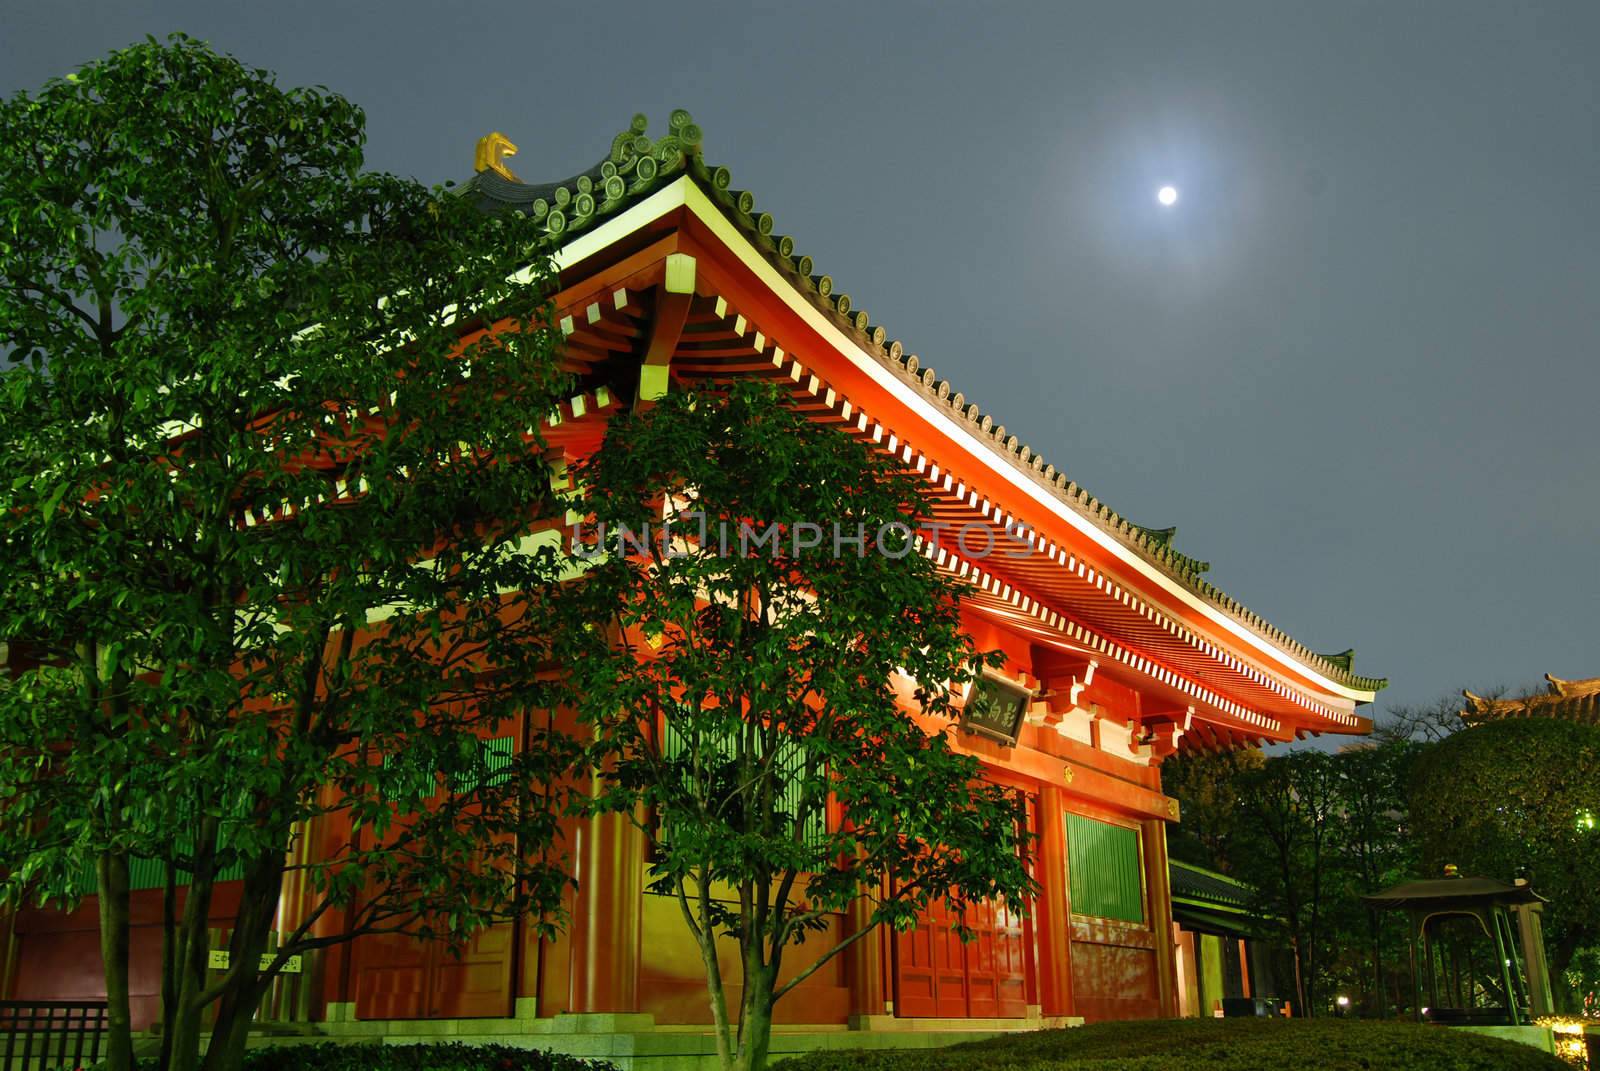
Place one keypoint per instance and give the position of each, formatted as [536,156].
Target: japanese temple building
[1119,653]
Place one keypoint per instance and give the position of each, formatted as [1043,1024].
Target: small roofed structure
[1577,701]
[1225,967]
[1450,918]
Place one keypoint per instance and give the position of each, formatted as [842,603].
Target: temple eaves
[637,166]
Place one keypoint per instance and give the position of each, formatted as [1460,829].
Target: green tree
[1520,796]
[1215,831]
[1310,832]
[1371,850]
[740,680]
[270,480]
[1290,800]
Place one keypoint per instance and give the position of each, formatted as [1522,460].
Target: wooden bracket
[673,298]
[1163,730]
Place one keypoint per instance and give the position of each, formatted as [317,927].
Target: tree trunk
[195,944]
[111,879]
[755,1016]
[230,1033]
[1296,938]
[726,1048]
[170,955]
[1299,976]
[236,1008]
[1377,962]
[1557,961]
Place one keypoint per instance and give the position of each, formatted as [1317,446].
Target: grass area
[1221,1044]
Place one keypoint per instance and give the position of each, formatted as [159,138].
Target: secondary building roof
[1564,700]
[1205,900]
[1453,892]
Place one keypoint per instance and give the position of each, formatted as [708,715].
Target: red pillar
[1053,911]
[607,918]
[864,961]
[1155,866]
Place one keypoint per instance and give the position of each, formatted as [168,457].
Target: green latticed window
[489,767]
[793,765]
[494,759]
[152,873]
[1103,869]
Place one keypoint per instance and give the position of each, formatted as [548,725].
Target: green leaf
[50,504]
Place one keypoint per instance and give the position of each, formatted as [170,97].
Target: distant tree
[1582,981]
[745,696]
[1371,850]
[1310,832]
[1215,831]
[1292,801]
[1313,833]
[1425,723]
[269,481]
[1516,797]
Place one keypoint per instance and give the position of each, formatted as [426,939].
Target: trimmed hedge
[1220,1044]
[332,1056]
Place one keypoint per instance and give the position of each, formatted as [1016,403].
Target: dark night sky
[1358,364]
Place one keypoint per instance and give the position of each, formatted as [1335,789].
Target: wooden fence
[47,1035]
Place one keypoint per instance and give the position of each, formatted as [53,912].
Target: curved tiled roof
[637,166]
[1564,700]
[1202,886]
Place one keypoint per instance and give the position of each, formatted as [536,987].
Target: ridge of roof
[1345,659]
[1208,872]
[1163,537]
[637,166]
[1434,891]
[1575,700]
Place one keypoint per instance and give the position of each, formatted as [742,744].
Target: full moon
[1167,195]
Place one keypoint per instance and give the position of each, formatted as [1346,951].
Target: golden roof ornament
[493,148]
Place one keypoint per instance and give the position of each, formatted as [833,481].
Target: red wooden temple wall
[628,951]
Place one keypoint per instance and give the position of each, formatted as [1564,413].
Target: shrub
[1221,1044]
[332,1056]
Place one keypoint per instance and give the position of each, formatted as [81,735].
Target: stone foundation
[636,1043]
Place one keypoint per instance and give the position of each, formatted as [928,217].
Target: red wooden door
[996,970]
[404,978]
[930,969]
[937,977]
[476,984]
[391,977]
